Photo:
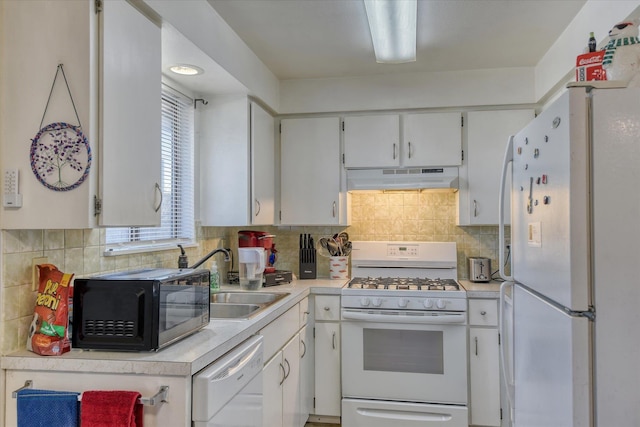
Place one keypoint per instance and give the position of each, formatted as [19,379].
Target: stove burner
[400,284]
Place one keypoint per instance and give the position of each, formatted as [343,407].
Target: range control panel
[402,250]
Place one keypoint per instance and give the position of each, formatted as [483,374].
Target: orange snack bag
[48,332]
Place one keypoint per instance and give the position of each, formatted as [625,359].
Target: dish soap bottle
[214,278]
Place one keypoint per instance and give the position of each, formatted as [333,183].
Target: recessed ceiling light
[186,70]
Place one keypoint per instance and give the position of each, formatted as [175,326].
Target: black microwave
[141,310]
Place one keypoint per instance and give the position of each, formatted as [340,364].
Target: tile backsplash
[410,215]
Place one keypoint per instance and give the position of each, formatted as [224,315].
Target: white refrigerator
[572,328]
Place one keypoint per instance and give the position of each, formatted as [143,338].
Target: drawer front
[327,307]
[277,333]
[483,312]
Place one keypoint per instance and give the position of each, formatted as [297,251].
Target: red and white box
[589,67]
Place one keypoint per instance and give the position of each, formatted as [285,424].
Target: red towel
[111,409]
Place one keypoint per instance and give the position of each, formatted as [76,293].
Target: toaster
[479,269]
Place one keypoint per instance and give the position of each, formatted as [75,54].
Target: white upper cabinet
[311,172]
[432,139]
[263,166]
[130,122]
[487,133]
[391,140]
[112,65]
[236,163]
[372,141]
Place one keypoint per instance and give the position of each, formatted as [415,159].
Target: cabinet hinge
[500,412]
[314,333]
[314,403]
[98,4]
[499,339]
[280,215]
[343,126]
[97,206]
[343,158]
[461,121]
[280,128]
[462,154]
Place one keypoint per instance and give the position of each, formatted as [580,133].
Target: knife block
[307,264]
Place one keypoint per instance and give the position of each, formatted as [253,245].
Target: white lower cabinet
[176,411]
[328,390]
[484,363]
[306,372]
[285,379]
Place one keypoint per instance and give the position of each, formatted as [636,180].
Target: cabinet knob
[327,309]
[483,312]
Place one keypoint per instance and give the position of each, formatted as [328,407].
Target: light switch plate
[35,277]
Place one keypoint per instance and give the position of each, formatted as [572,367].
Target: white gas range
[404,345]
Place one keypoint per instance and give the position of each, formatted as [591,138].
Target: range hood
[402,178]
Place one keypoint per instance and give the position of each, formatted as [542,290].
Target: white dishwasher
[228,393]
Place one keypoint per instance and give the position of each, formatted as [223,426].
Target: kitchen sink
[241,305]
[246,297]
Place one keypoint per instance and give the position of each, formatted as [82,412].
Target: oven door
[420,358]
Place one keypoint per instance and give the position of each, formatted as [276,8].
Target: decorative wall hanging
[60,153]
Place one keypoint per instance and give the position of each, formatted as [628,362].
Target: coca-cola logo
[587,61]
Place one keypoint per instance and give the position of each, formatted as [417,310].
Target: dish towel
[44,408]
[111,408]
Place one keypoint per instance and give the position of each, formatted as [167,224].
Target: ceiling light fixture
[393,29]
[186,70]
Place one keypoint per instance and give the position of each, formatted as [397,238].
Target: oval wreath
[60,156]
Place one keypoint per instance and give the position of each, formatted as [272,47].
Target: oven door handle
[439,319]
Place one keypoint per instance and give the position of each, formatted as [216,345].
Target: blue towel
[47,408]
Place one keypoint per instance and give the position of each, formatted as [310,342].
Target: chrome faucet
[183,262]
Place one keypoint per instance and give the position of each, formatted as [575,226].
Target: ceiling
[298,39]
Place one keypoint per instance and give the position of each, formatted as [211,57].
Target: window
[177,222]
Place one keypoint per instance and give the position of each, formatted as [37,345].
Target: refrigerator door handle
[505,363]
[508,159]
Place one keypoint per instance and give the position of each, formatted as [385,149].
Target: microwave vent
[109,328]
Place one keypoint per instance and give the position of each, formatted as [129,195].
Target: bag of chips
[48,334]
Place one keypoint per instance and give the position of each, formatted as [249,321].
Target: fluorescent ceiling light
[186,70]
[393,29]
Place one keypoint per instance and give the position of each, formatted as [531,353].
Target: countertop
[183,358]
[191,354]
[481,289]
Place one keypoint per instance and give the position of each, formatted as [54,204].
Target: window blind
[177,211]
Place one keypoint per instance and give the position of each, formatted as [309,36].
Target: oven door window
[392,350]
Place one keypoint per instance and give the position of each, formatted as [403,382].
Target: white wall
[406,91]
[556,68]
[201,24]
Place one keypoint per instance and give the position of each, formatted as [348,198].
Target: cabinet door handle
[394,151]
[304,349]
[284,376]
[475,208]
[334,209]
[288,369]
[333,340]
[159,190]
[476,338]
[409,149]
[257,207]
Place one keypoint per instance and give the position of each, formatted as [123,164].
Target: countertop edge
[189,355]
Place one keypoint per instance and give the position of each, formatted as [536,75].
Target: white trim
[148,246]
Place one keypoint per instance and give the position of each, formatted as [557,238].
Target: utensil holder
[307,264]
[338,267]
